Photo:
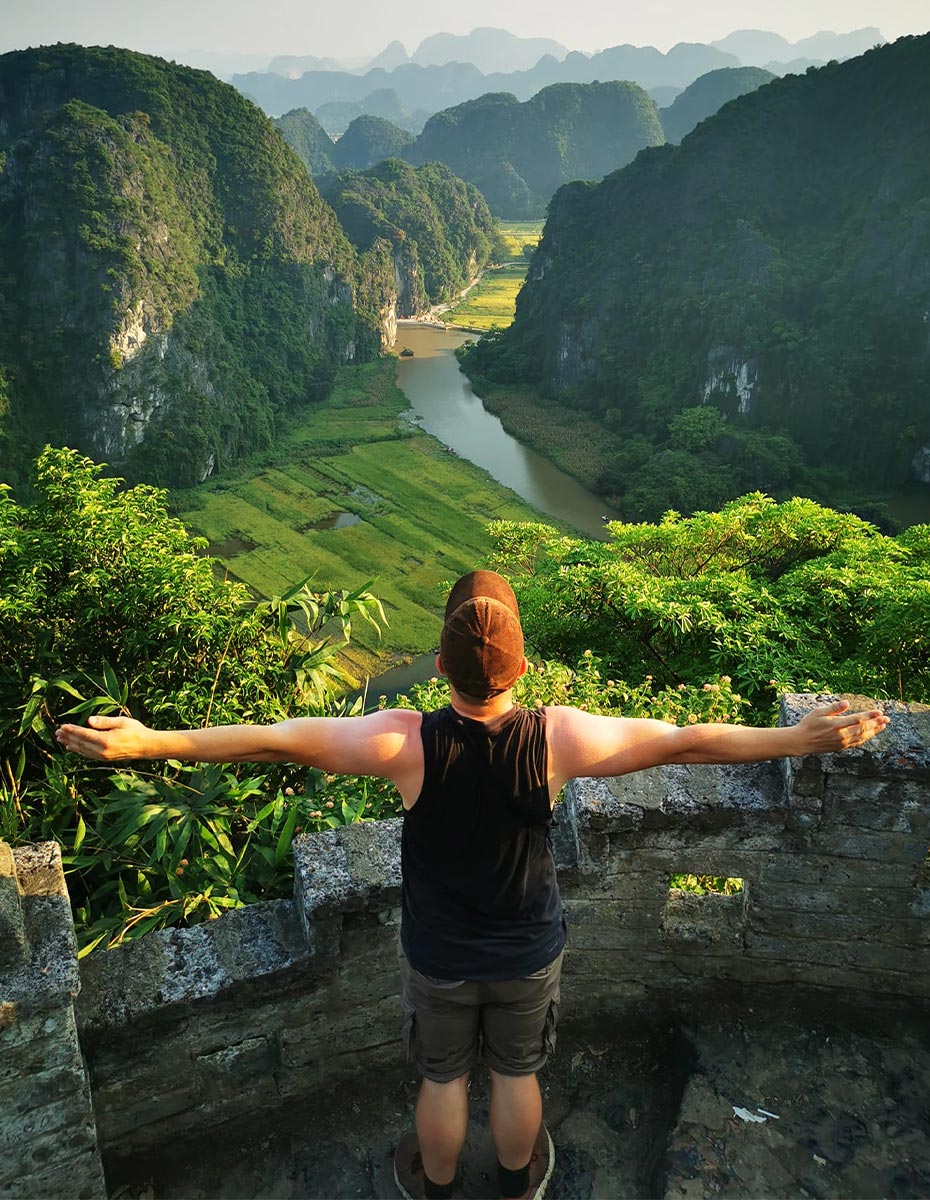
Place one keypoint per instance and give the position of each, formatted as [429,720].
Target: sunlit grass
[493,301]
[424,512]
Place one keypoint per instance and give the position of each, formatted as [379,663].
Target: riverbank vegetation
[574,441]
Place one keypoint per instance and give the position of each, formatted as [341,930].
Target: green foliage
[775,596]
[773,266]
[149,214]
[585,685]
[107,607]
[308,139]
[518,154]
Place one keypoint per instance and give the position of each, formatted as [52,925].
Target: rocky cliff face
[173,279]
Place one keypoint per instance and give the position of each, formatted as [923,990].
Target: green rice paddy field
[492,301]
[423,513]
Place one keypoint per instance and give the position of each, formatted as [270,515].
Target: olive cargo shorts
[513,1021]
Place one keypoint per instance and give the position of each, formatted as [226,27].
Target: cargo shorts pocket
[409,1032]
[551,1028]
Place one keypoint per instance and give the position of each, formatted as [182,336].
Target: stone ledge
[183,966]
[344,870]
[902,749]
[46,975]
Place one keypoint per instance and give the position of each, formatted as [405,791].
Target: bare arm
[583,744]
[384,743]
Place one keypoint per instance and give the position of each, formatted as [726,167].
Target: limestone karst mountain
[437,227]
[172,281]
[308,139]
[367,141]
[771,275]
[708,94]
[518,154]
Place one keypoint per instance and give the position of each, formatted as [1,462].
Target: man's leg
[442,1122]
[518,1022]
[516,1115]
[442,1020]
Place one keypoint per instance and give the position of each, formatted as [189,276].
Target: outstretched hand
[108,739]
[829,728]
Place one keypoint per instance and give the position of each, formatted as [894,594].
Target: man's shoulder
[563,715]
[407,719]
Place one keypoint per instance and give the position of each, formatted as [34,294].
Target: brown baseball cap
[482,641]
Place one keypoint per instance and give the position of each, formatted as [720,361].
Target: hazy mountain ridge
[437,87]
[464,67]
[518,154]
[774,269]
[172,279]
[490,50]
[758,48]
[337,115]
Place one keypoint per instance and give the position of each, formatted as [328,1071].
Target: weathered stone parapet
[832,851]
[48,1141]
[187,1028]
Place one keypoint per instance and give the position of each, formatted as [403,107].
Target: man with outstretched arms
[482,931]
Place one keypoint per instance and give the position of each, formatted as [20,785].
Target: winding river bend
[441,396]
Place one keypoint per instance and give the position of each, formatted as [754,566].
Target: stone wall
[186,1029]
[48,1143]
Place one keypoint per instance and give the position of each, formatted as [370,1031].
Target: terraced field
[411,515]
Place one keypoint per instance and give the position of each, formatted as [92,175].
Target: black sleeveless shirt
[480,896]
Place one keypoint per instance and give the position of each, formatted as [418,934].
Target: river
[441,396]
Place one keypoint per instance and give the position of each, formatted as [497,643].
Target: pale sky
[343,28]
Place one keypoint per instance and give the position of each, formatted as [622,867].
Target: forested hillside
[439,229]
[172,280]
[518,154]
[308,139]
[367,141]
[706,95]
[750,307]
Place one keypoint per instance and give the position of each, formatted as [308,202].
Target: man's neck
[486,710]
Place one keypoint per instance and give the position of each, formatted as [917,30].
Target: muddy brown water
[442,399]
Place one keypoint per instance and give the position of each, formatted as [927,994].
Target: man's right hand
[108,739]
